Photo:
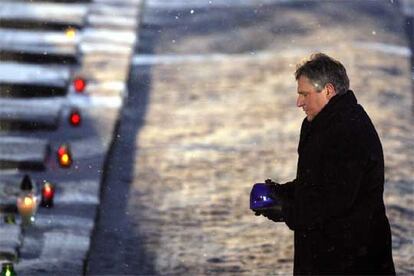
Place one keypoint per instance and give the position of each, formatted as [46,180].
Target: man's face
[309,99]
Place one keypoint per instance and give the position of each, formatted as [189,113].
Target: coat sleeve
[286,193]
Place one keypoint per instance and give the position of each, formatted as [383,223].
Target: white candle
[27,205]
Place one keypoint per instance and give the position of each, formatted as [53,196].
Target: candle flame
[48,187]
[70,32]
[28,201]
[65,159]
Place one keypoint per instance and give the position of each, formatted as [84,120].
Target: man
[335,205]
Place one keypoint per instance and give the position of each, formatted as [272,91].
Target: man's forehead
[305,85]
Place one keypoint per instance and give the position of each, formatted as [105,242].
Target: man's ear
[330,90]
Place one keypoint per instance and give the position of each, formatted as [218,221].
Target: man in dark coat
[335,205]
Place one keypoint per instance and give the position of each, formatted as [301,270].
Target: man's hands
[276,189]
[271,214]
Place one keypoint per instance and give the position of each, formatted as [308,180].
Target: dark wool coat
[335,205]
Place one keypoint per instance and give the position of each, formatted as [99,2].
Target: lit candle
[75,118]
[64,156]
[70,32]
[79,84]
[48,192]
[8,270]
[27,206]
[65,160]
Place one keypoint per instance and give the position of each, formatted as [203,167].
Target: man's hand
[257,213]
[276,189]
[269,214]
[272,215]
[270,182]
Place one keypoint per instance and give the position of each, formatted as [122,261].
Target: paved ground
[214,112]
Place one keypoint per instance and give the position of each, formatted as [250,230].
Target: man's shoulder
[352,117]
[351,125]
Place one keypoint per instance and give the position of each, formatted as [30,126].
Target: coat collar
[335,105]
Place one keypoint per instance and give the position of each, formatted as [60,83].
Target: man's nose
[299,101]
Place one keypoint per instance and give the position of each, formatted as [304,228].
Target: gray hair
[321,69]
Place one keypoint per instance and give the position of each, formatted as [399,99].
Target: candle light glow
[79,84]
[64,156]
[70,32]
[75,119]
[27,207]
[7,269]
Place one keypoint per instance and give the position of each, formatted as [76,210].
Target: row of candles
[28,201]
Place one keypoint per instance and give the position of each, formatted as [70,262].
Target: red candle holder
[75,118]
[48,193]
[79,84]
